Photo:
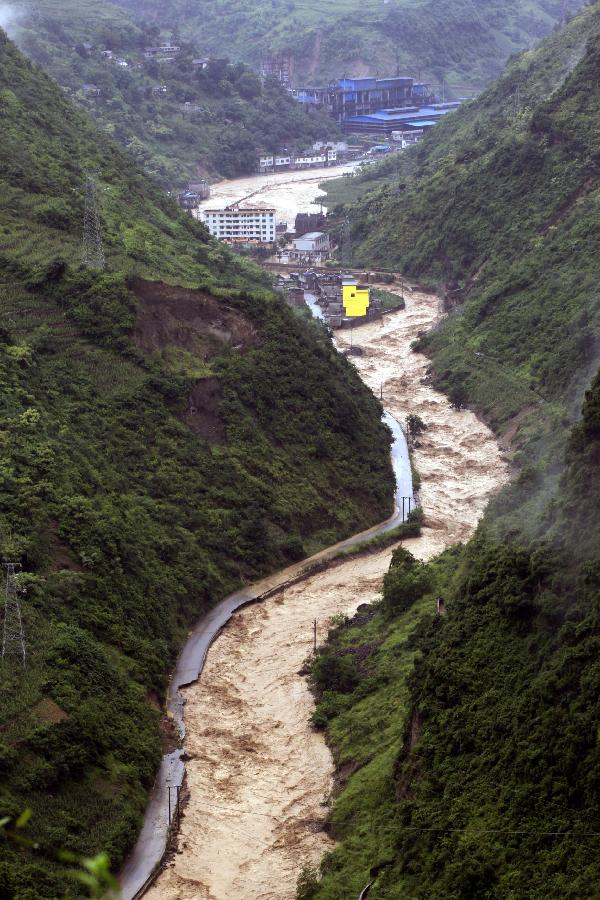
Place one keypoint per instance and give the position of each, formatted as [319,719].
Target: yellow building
[355,298]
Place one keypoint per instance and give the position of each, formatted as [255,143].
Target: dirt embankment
[187,328]
[260,776]
[193,320]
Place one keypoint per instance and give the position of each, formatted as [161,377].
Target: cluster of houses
[320,155]
[164,52]
[341,299]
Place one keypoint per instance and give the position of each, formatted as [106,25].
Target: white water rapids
[258,776]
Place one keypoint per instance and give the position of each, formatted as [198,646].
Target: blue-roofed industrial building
[384,121]
[362,96]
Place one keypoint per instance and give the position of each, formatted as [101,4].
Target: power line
[13,638]
[93,250]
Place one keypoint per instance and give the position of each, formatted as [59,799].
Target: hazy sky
[8,16]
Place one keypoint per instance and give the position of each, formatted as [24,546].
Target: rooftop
[229,209]
[404,115]
[310,235]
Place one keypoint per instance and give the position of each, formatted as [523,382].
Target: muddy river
[288,192]
[258,776]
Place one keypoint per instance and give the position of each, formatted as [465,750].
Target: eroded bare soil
[169,316]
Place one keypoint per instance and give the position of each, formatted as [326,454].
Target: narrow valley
[299,469]
[259,776]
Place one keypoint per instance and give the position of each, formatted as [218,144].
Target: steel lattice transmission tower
[93,250]
[13,638]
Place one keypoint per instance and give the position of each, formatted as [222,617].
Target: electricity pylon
[13,638]
[93,250]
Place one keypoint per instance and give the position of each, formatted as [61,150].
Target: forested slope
[169,430]
[230,114]
[463,43]
[499,208]
[467,741]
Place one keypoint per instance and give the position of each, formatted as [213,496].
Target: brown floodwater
[258,776]
[287,192]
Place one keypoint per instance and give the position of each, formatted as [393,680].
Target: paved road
[152,841]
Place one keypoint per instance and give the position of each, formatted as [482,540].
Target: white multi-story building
[241,224]
[306,160]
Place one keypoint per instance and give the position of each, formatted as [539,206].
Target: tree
[407,581]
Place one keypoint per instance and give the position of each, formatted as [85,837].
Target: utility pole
[517,102]
[315,634]
[92,255]
[13,638]
[346,243]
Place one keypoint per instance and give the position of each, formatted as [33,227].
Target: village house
[165,52]
[306,159]
[306,222]
[189,200]
[313,242]
[311,158]
[310,248]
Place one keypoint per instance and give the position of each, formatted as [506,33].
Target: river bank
[140,868]
[259,776]
[288,192]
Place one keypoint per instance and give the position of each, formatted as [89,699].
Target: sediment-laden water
[258,776]
[288,192]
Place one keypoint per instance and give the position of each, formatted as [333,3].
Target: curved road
[152,842]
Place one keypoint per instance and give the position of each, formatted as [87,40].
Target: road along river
[257,774]
[152,841]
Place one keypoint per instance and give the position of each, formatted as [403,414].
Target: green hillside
[175,119]
[467,742]
[168,430]
[498,208]
[456,41]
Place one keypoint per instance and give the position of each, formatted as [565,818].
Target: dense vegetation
[160,443]
[176,119]
[467,742]
[455,41]
[499,209]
